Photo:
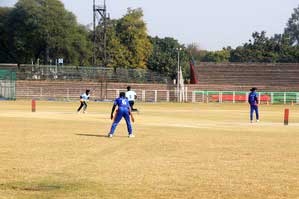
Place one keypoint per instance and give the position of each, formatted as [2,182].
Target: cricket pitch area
[180,151]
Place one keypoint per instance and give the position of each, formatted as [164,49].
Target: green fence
[241,96]
[7,84]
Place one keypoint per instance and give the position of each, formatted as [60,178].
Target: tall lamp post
[178,75]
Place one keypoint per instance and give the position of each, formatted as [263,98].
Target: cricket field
[203,151]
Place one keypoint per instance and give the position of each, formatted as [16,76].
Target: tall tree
[117,53]
[216,56]
[132,33]
[43,29]
[81,45]
[260,49]
[292,29]
[6,49]
[165,57]
[197,53]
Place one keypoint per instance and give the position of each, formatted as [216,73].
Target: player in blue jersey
[253,101]
[124,110]
[83,101]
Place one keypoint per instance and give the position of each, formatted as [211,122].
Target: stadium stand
[47,82]
[242,76]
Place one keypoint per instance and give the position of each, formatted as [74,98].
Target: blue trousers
[120,114]
[254,108]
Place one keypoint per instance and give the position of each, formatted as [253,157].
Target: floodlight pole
[104,16]
[178,75]
[102,19]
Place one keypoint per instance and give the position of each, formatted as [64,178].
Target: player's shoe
[257,120]
[131,136]
[110,135]
[251,121]
[84,112]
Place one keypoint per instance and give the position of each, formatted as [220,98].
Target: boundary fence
[241,96]
[69,94]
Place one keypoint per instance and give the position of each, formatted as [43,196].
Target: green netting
[287,97]
[241,96]
[7,84]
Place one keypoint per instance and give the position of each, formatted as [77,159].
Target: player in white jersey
[83,101]
[131,96]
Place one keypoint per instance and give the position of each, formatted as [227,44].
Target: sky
[211,24]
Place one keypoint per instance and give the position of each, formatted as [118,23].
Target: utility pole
[100,18]
[47,50]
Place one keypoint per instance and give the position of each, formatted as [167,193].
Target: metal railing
[98,74]
[70,94]
[144,95]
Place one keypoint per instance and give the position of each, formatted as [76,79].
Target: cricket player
[131,96]
[83,101]
[253,101]
[124,110]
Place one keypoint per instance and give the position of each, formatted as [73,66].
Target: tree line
[41,31]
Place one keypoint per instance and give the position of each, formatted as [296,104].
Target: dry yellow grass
[180,151]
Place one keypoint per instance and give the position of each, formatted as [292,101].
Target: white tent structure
[181,90]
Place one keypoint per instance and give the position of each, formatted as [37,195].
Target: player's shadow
[91,135]
[97,135]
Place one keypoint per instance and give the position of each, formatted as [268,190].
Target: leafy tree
[209,56]
[217,56]
[260,49]
[132,33]
[43,29]
[164,58]
[292,29]
[196,52]
[117,53]
[6,53]
[81,47]
[285,52]
[127,44]
[279,48]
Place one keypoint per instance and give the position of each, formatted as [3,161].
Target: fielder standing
[83,101]
[123,110]
[253,101]
[131,96]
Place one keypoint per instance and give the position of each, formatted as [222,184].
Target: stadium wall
[71,90]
